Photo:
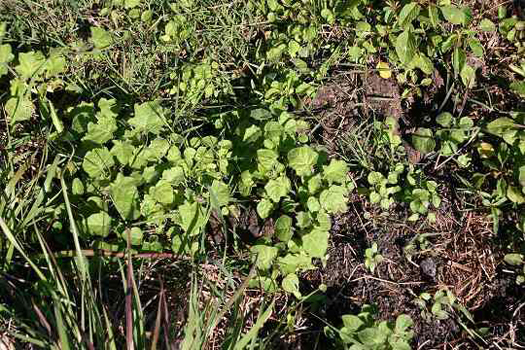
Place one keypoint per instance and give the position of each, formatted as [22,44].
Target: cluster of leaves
[416,36]
[362,332]
[451,136]
[442,304]
[372,257]
[296,182]
[197,82]
[408,185]
[504,164]
[34,75]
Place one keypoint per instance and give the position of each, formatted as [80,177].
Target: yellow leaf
[384,70]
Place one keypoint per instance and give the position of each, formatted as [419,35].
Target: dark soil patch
[458,255]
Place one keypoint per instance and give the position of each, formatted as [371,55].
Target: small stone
[428,267]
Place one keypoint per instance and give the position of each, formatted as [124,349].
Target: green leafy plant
[372,257]
[407,185]
[442,305]
[516,259]
[363,332]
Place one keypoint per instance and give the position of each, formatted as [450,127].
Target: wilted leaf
[384,70]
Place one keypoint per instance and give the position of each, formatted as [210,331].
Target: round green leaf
[423,140]
[99,224]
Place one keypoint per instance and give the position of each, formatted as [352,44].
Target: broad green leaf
[174,176]
[336,172]
[125,197]
[252,134]
[445,119]
[468,76]
[123,151]
[158,148]
[31,64]
[518,87]
[101,38]
[291,285]
[98,162]
[102,131]
[99,224]
[278,188]
[19,109]
[221,192]
[454,15]
[406,47]
[267,158]
[476,47]
[521,176]
[403,323]
[77,187]
[304,220]
[149,117]
[136,236]
[6,56]
[372,337]
[433,15]
[408,13]
[313,204]
[129,4]
[260,114]
[487,25]
[501,125]
[314,184]
[375,178]
[193,218]
[352,322]
[515,195]
[302,160]
[334,200]
[315,243]
[56,64]
[424,63]
[423,140]
[514,259]
[283,228]
[265,255]
[293,262]
[162,192]
[459,58]
[264,208]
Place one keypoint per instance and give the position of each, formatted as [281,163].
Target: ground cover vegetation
[262,174]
